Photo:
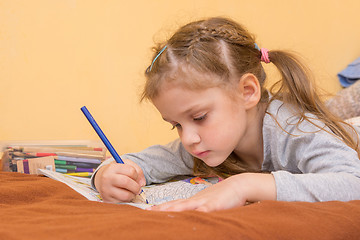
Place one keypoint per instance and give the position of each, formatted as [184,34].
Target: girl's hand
[119,182]
[232,192]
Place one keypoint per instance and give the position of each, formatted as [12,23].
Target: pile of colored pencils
[72,160]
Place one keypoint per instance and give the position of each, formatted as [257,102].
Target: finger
[132,170]
[125,169]
[114,199]
[126,183]
[116,195]
[176,206]
[122,176]
[122,195]
[205,208]
[110,200]
[141,178]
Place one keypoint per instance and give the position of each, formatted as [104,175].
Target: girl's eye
[200,118]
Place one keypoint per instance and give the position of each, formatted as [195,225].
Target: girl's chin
[209,158]
[212,162]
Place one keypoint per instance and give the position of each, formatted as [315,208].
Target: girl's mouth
[201,154]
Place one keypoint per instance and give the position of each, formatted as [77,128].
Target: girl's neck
[250,150]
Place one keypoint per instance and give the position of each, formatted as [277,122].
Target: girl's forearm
[255,187]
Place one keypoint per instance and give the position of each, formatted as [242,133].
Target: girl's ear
[250,90]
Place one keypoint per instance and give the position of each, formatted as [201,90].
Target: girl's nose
[189,137]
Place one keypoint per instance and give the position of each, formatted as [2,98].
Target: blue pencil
[102,136]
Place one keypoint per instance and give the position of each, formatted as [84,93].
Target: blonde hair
[223,48]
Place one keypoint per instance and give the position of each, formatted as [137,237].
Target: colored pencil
[102,136]
[78,164]
[63,170]
[80,174]
[72,159]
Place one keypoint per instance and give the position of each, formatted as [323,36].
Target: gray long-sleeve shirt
[308,164]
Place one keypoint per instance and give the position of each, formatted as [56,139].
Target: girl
[207,81]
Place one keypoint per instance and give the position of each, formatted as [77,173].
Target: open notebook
[152,194]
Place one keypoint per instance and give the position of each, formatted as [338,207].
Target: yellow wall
[56,56]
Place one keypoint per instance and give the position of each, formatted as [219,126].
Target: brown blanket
[33,207]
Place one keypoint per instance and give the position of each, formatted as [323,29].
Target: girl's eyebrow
[183,112]
[193,108]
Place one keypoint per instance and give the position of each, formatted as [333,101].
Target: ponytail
[296,88]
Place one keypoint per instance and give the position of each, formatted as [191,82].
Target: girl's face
[211,125]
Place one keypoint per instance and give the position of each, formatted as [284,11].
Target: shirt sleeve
[324,169]
[163,162]
[160,162]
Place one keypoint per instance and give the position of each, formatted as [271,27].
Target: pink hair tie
[265,55]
